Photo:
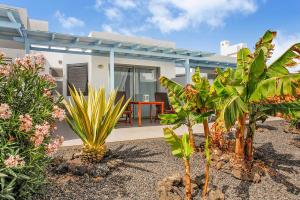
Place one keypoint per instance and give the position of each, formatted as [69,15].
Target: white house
[230,50]
[131,64]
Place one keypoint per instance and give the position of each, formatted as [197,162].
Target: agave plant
[93,118]
[257,90]
[181,148]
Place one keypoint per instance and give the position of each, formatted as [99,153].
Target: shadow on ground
[131,155]
[279,164]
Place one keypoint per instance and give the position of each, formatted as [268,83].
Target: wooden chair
[128,112]
[162,97]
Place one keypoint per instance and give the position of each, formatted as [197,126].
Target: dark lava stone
[80,170]
[62,168]
[102,170]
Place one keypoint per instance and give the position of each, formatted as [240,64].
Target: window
[77,75]
[57,73]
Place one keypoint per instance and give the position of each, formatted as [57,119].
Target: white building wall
[98,65]
[99,68]
[230,50]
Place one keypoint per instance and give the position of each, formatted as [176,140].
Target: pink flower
[14,161]
[39,59]
[2,55]
[5,70]
[46,92]
[26,122]
[30,62]
[26,63]
[58,113]
[53,146]
[48,78]
[37,140]
[41,131]
[5,112]
[18,61]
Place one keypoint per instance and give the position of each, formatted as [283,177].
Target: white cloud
[98,4]
[108,28]
[194,12]
[282,43]
[68,22]
[125,4]
[113,14]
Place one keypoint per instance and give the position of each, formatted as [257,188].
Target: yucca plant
[93,118]
[181,148]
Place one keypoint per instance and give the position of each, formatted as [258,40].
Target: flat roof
[11,28]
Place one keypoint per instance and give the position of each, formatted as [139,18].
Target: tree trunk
[191,137]
[188,192]
[205,124]
[206,128]
[206,180]
[239,138]
[250,137]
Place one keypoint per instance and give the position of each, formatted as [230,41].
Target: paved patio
[126,132]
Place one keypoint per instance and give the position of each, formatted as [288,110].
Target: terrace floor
[124,132]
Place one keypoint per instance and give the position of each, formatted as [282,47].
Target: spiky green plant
[181,148]
[93,118]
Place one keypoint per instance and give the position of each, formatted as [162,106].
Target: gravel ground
[148,161]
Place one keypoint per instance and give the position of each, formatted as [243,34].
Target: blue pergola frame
[11,28]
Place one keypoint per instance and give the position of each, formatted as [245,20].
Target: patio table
[142,103]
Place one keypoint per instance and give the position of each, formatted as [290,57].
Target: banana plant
[181,148]
[256,89]
[93,118]
[192,104]
[207,165]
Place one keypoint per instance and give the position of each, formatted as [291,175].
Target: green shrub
[28,111]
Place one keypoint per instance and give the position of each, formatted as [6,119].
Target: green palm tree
[258,90]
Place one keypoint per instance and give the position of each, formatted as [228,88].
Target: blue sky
[192,24]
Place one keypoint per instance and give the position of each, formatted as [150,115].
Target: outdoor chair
[127,114]
[162,97]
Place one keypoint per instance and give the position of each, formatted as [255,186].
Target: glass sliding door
[145,86]
[124,80]
[138,82]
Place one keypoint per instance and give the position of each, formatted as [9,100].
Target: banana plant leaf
[180,146]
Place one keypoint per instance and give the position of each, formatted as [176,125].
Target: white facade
[230,50]
[102,69]
[98,66]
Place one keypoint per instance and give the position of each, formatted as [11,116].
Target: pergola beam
[13,20]
[107,49]
[112,70]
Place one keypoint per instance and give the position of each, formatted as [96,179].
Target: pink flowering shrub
[28,112]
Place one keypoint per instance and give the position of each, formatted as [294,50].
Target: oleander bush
[28,112]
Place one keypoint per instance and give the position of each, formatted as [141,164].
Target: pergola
[12,29]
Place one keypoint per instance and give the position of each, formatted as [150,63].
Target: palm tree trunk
[250,137]
[239,138]
[188,193]
[191,137]
[206,180]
